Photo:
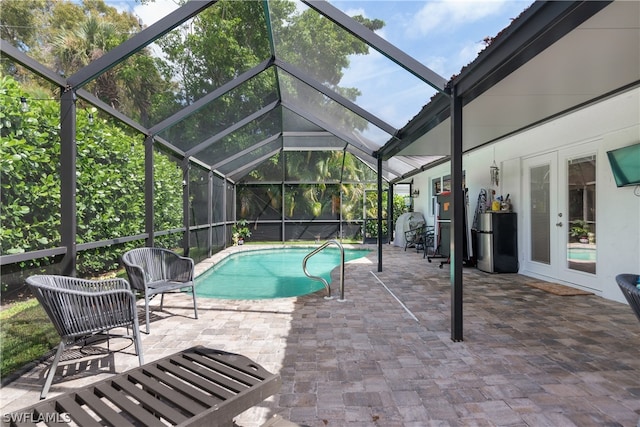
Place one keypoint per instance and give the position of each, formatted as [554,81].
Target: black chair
[429,241]
[156,271]
[414,237]
[80,308]
[628,286]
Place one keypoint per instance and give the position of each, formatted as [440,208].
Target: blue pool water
[582,254]
[271,273]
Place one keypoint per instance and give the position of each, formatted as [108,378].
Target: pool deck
[384,357]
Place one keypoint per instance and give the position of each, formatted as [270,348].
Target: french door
[560,233]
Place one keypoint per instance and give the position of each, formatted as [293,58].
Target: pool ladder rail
[321,279]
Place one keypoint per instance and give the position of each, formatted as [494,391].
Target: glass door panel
[581,211]
[541,220]
[559,203]
[540,214]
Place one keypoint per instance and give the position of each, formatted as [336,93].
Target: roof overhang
[556,57]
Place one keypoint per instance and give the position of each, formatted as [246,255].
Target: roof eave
[537,28]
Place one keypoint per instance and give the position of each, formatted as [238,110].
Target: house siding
[608,124]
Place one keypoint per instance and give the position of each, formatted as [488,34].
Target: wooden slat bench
[196,387]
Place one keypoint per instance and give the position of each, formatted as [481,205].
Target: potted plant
[240,231]
[580,230]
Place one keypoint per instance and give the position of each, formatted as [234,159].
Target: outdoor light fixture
[415,193]
[24,106]
[90,118]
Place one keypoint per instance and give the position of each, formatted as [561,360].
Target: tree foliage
[196,58]
[110,179]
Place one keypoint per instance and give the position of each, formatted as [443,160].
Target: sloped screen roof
[286,91]
[245,81]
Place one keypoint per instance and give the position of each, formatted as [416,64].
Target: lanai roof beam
[200,103]
[138,42]
[289,68]
[206,143]
[318,122]
[246,151]
[410,64]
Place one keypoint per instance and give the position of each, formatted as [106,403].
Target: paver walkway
[529,358]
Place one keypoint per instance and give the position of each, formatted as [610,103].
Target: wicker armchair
[80,308]
[627,283]
[156,271]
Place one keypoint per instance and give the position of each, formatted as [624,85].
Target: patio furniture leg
[138,344]
[52,371]
[195,306]
[146,310]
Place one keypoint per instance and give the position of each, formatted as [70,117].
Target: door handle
[558,224]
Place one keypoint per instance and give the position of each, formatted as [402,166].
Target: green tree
[110,180]
[19,24]
[29,176]
[72,34]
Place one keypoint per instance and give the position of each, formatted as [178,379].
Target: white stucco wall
[612,123]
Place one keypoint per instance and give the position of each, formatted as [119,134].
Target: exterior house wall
[609,124]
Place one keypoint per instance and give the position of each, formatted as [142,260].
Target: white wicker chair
[80,308]
[154,271]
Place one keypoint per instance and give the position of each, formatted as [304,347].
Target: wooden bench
[195,387]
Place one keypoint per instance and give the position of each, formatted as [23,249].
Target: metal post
[283,209]
[224,210]
[341,227]
[210,214]
[68,180]
[457,220]
[149,191]
[390,226]
[379,213]
[186,242]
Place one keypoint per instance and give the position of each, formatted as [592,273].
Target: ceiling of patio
[599,58]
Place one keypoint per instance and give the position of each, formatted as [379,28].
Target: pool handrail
[321,279]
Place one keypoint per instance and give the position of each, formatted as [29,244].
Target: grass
[26,335]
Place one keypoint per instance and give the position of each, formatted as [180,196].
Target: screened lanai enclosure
[116,134]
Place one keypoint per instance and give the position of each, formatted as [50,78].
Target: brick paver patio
[529,358]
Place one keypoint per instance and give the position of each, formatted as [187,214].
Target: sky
[444,35]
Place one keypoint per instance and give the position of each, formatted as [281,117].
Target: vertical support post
[210,214]
[341,227]
[224,210]
[282,212]
[379,213]
[149,191]
[390,225]
[457,222]
[68,180]
[186,241]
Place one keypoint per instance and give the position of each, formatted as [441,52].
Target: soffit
[597,58]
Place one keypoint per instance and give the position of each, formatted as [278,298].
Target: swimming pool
[271,273]
[582,255]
